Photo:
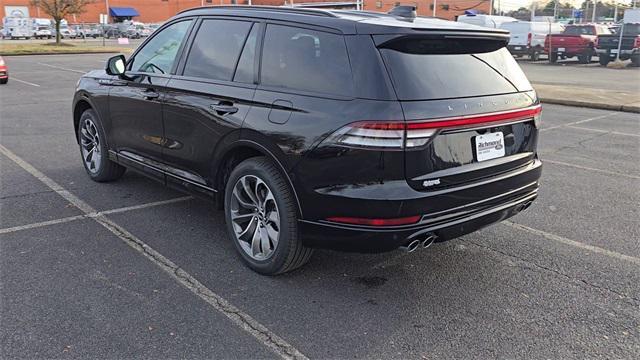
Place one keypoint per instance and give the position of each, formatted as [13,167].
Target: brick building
[160,10]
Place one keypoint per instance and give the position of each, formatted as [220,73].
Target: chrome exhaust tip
[428,241]
[411,247]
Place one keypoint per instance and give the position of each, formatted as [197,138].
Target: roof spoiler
[404,11]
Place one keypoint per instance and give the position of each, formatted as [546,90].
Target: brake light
[1,61]
[596,43]
[636,42]
[396,135]
[529,36]
[376,222]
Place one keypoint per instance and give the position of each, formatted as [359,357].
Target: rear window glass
[308,60]
[579,30]
[443,76]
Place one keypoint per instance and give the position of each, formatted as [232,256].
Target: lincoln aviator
[349,130]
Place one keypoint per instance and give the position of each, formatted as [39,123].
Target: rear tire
[553,58]
[94,150]
[262,218]
[535,55]
[585,58]
[635,61]
[4,81]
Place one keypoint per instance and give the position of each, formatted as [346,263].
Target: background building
[159,10]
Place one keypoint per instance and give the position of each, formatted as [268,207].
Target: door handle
[223,109]
[150,94]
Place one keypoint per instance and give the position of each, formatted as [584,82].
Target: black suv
[357,131]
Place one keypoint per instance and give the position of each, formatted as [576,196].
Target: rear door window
[216,49]
[308,60]
[429,72]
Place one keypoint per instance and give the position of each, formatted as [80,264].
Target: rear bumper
[520,49]
[612,52]
[461,212]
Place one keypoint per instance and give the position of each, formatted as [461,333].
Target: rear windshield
[631,29]
[418,76]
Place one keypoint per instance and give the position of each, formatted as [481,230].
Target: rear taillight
[396,135]
[636,42]
[529,36]
[1,62]
[596,43]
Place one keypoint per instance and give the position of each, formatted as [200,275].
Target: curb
[601,106]
[66,53]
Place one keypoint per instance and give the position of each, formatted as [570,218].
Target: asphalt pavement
[133,269]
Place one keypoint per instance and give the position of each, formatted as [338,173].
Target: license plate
[561,49]
[489,146]
[518,47]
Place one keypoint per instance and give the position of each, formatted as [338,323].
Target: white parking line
[241,319]
[564,240]
[62,68]
[604,131]
[86,216]
[579,121]
[590,169]
[13,78]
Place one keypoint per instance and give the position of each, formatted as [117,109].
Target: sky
[508,5]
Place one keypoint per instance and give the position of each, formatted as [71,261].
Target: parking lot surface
[133,269]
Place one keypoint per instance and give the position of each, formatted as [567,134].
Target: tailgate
[469,115]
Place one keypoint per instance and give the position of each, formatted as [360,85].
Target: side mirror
[116,65]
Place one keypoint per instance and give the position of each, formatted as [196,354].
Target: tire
[244,223]
[103,169]
[4,81]
[635,61]
[603,60]
[553,58]
[535,55]
[585,58]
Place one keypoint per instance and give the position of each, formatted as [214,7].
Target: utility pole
[490,7]
[615,12]
[435,4]
[555,10]
[593,16]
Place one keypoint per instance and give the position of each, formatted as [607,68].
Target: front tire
[94,151]
[262,218]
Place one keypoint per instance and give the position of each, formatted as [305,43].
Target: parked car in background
[153,27]
[41,28]
[527,38]
[84,31]
[490,21]
[575,40]
[112,32]
[607,45]
[315,128]
[4,72]
[65,32]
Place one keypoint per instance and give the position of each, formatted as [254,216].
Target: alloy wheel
[90,146]
[255,217]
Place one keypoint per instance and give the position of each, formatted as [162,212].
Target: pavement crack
[633,301]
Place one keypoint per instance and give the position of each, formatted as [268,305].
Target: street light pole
[593,17]
[434,7]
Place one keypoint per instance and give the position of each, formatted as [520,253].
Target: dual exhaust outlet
[421,242]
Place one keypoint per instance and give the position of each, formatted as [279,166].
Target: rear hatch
[469,109]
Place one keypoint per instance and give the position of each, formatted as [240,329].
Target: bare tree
[59,9]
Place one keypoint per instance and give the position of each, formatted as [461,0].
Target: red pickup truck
[575,40]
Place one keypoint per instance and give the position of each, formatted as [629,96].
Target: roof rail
[283,9]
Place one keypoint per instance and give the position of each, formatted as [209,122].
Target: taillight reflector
[376,222]
[412,134]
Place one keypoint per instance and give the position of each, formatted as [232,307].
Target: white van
[491,21]
[16,27]
[527,38]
